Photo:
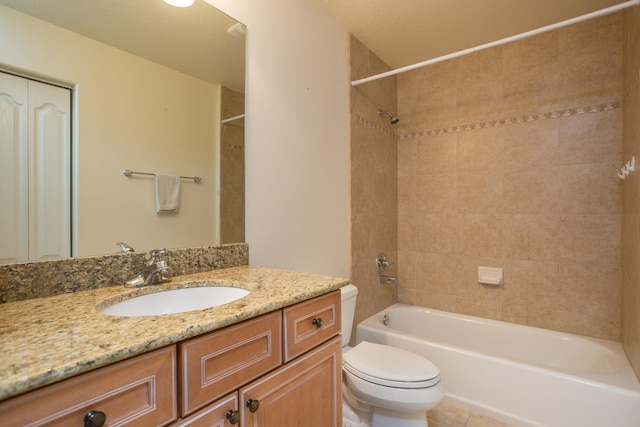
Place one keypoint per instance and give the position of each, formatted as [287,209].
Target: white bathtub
[517,374]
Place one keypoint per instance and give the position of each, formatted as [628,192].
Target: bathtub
[521,375]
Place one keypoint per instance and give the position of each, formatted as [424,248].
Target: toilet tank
[349,294]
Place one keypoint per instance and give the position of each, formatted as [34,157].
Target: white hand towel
[167,193]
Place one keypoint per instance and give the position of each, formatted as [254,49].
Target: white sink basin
[175,301]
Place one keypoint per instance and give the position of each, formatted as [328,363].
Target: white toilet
[384,386]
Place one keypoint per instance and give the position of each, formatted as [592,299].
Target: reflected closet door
[35,129]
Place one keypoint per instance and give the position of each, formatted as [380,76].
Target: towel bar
[129,172]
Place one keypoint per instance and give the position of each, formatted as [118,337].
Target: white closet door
[49,172]
[35,170]
[14,220]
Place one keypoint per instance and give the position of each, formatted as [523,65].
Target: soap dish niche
[491,276]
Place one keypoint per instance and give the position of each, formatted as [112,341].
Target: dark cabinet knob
[253,405]
[94,419]
[233,416]
[317,321]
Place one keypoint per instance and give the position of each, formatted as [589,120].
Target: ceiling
[192,40]
[405,32]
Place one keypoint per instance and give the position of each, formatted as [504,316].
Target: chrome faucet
[155,271]
[124,247]
[381,265]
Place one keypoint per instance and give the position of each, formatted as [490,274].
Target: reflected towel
[167,193]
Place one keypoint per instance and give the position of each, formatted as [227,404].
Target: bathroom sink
[174,301]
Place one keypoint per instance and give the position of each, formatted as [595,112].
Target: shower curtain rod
[597,13]
[230,119]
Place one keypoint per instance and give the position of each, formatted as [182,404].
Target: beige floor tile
[447,415]
[476,420]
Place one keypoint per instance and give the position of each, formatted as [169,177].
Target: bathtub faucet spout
[387,280]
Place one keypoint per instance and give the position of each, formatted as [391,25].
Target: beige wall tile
[437,154]
[531,73]
[531,146]
[589,238]
[530,236]
[436,193]
[480,235]
[590,138]
[631,191]
[437,233]
[531,192]
[481,150]
[408,236]
[407,158]
[536,195]
[374,182]
[479,193]
[589,188]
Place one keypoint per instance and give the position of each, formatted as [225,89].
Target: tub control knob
[233,416]
[94,419]
[253,405]
[317,322]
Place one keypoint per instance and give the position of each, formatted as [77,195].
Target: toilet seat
[390,366]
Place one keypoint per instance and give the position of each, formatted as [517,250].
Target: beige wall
[631,191]
[132,114]
[530,187]
[297,135]
[374,215]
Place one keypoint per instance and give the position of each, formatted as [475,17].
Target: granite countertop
[44,340]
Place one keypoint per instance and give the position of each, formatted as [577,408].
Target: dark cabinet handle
[94,419]
[233,416]
[253,405]
[317,321]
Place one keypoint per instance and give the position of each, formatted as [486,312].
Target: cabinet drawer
[214,415]
[215,364]
[136,392]
[310,323]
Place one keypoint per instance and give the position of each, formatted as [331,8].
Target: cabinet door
[305,392]
[135,392]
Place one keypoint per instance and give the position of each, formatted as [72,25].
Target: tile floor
[448,415]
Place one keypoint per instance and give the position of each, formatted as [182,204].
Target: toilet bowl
[384,386]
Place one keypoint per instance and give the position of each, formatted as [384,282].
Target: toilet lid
[390,366]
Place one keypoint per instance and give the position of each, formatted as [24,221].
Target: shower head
[393,118]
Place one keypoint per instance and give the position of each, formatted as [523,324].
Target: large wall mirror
[155,89]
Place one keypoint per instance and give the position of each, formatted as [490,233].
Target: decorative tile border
[515,120]
[374,126]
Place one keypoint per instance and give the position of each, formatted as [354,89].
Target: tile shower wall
[373,181]
[508,158]
[231,167]
[631,191]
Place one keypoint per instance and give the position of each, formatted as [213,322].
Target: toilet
[384,386]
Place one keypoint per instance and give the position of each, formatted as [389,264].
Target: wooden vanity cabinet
[137,392]
[282,369]
[302,389]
